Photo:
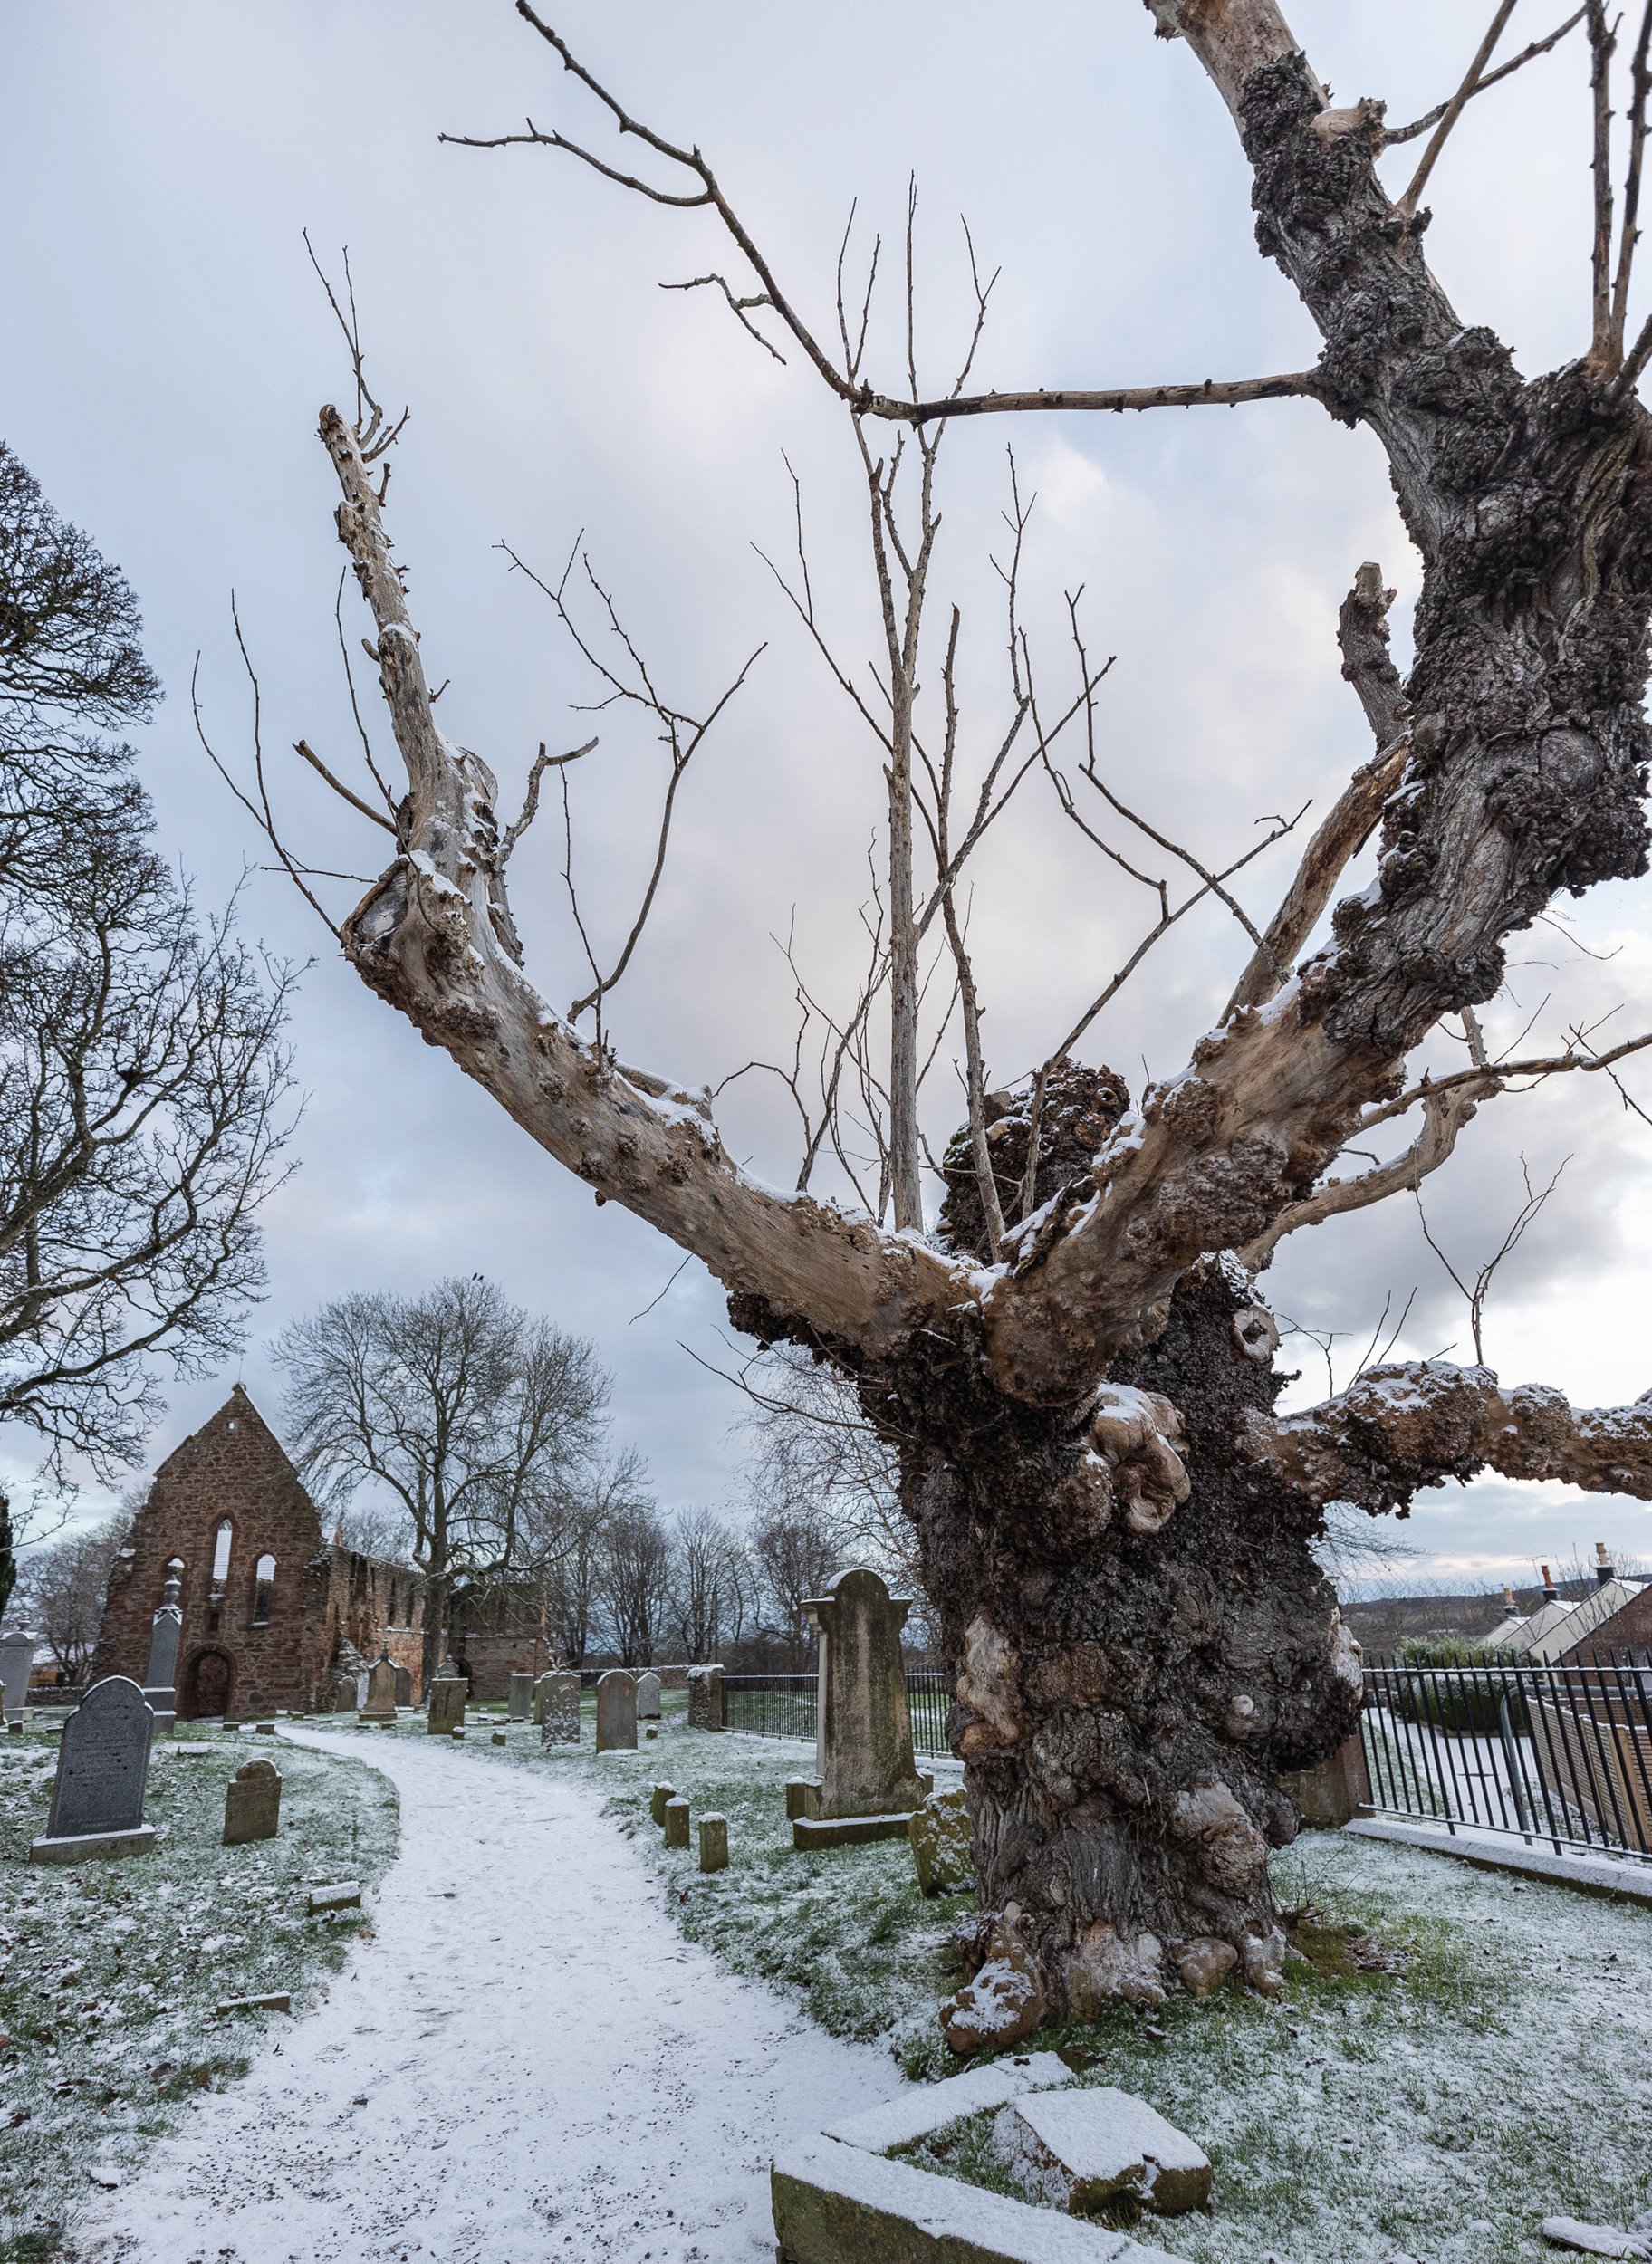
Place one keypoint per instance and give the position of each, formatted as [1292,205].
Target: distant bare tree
[708,1579]
[61,1592]
[467,1410]
[567,1543]
[636,1580]
[796,1546]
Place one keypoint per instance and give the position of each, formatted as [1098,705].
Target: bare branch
[530,807]
[303,747]
[1406,205]
[1394,135]
[1601,43]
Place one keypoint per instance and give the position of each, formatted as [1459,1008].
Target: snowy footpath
[525,2062]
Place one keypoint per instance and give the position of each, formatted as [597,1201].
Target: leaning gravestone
[448,1690]
[102,1770]
[647,1696]
[557,1698]
[252,1803]
[866,1784]
[381,1693]
[522,1697]
[16,1664]
[617,1711]
[161,1679]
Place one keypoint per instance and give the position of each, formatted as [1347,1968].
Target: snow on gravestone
[1087,2148]
[16,1664]
[866,1784]
[556,1699]
[103,1770]
[617,1711]
[381,1692]
[252,1803]
[647,1696]
[522,1696]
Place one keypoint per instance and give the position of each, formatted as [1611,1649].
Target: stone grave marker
[557,1698]
[704,1697]
[656,1802]
[867,1783]
[344,1693]
[677,1821]
[102,1770]
[381,1693]
[448,1691]
[617,1711]
[522,1697]
[404,1685]
[160,1677]
[941,1852]
[714,1843]
[16,1664]
[647,1696]
[252,1803]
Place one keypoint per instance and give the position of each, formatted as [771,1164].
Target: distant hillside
[1383,1624]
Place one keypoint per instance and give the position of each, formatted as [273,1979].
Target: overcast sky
[164,349]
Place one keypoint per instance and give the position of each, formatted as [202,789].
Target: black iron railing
[786,1705]
[1559,1755]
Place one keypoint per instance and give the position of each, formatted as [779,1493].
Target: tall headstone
[252,1803]
[448,1690]
[556,1699]
[404,1685]
[381,1692]
[160,1680]
[704,1697]
[617,1711]
[16,1664]
[647,1696]
[522,1696]
[867,1782]
[102,1770]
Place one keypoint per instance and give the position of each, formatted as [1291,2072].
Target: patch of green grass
[111,1970]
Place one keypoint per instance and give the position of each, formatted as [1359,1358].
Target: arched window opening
[220,1552]
[264,1588]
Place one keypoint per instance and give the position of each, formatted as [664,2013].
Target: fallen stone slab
[92,1847]
[277,2001]
[1085,2150]
[1567,2232]
[833,2201]
[924,2107]
[345,1895]
[813,1832]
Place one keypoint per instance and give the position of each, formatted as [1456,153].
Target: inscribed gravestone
[448,1690]
[864,1736]
[647,1696]
[16,1663]
[522,1696]
[381,1693]
[252,1803]
[160,1678]
[617,1711]
[558,1701]
[102,1770]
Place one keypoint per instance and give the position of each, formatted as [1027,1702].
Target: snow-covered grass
[111,1970]
[1457,2055]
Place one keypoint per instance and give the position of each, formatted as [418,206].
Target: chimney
[1551,1595]
[1510,1609]
[1605,1570]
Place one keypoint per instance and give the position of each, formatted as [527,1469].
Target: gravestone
[160,1678]
[404,1686]
[16,1664]
[867,1783]
[102,1770]
[448,1691]
[656,1802]
[522,1697]
[381,1693]
[941,1847]
[557,1697]
[704,1697]
[647,1696]
[252,1803]
[676,1819]
[714,1843]
[344,1693]
[617,1711]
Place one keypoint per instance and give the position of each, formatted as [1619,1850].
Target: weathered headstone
[160,1678]
[647,1696]
[404,1686]
[522,1696]
[448,1691]
[102,1769]
[344,1692]
[677,1821]
[656,1802]
[868,1782]
[557,1698]
[714,1843]
[381,1693]
[617,1711]
[941,1855]
[252,1803]
[16,1664]
[704,1697]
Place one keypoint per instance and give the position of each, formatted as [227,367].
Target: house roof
[1547,1635]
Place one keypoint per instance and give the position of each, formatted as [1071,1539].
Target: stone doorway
[209,1686]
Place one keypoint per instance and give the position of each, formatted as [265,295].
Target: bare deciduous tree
[1073,1365]
[469,1413]
[636,1580]
[708,1580]
[61,1592]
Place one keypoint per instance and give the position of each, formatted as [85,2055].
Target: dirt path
[525,2062]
